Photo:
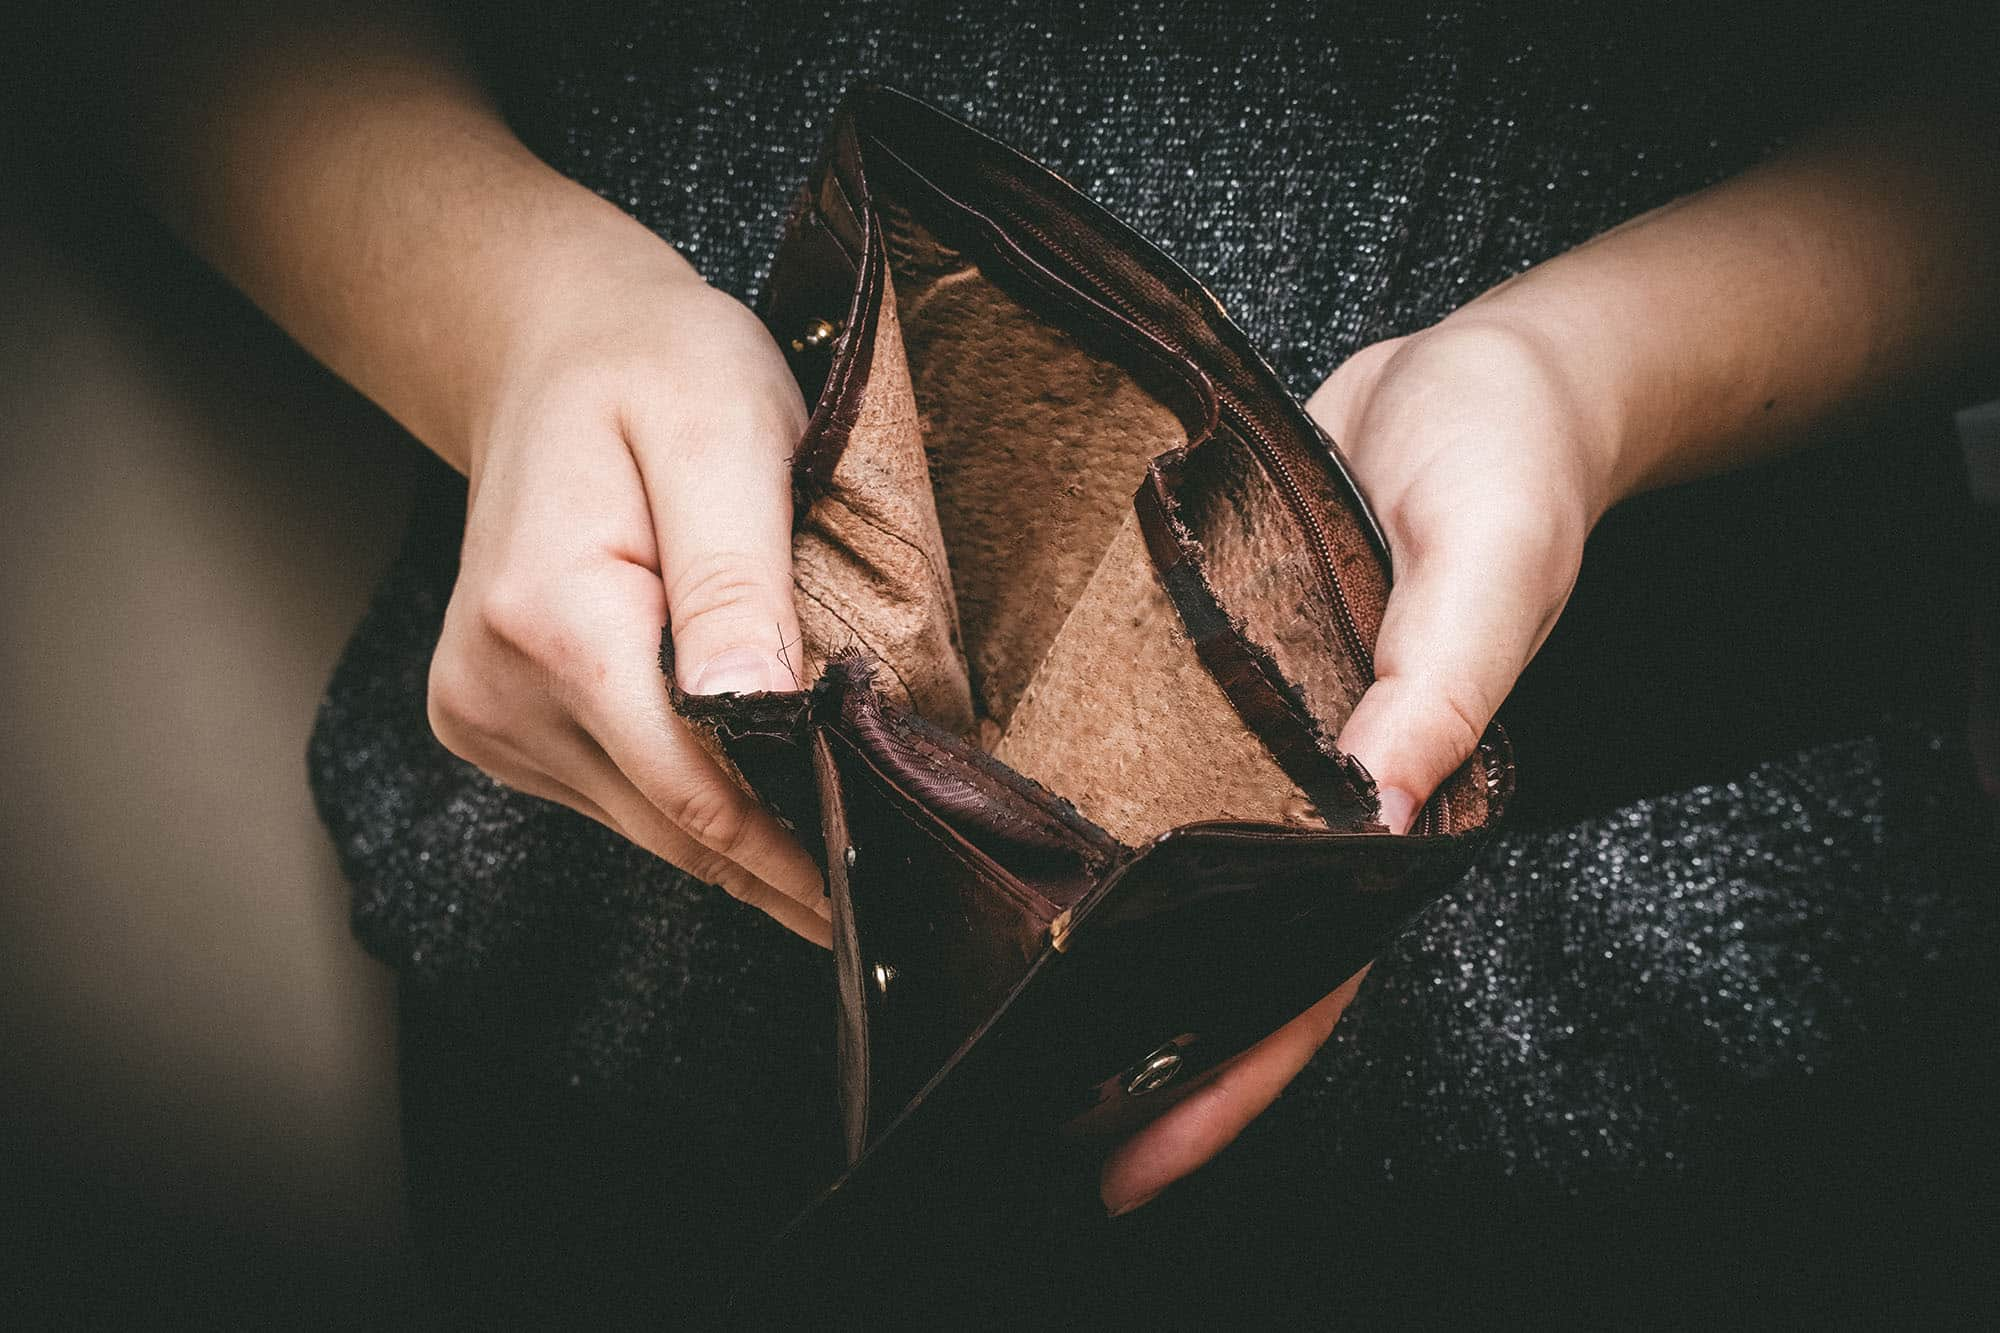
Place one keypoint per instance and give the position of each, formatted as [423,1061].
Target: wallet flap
[1210,938]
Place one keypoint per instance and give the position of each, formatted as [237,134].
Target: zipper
[1259,440]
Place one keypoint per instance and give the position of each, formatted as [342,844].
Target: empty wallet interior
[976,540]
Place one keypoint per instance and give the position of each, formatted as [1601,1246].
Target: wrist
[1595,370]
[1586,391]
[564,293]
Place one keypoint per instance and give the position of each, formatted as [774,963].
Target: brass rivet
[817,335]
[883,974]
[1155,1071]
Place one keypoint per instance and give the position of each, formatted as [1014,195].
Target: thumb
[723,519]
[1462,621]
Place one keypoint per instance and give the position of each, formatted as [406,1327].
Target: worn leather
[1085,597]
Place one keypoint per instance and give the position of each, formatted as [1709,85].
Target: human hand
[632,470]
[1484,457]
[626,429]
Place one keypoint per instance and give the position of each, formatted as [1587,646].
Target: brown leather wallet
[1085,596]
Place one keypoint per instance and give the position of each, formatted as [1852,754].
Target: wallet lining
[976,537]
[1077,659]
[1035,442]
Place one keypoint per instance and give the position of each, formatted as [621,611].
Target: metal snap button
[817,335]
[1155,1071]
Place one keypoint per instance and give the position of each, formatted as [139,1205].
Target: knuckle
[523,612]
[684,407]
[513,612]
[713,815]
[459,715]
[710,868]
[692,421]
[774,903]
[1464,723]
[689,415]
[673,846]
[716,585]
[740,885]
[450,731]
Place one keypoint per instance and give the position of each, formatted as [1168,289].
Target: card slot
[868,555]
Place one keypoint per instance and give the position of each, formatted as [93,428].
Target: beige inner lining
[1036,444]
[978,542]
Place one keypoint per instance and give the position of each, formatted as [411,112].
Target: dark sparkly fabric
[1736,901]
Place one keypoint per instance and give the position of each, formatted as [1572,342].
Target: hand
[632,471]
[1483,458]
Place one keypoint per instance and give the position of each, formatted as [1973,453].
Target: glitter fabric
[1734,890]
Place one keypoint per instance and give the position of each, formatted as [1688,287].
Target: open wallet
[1085,596]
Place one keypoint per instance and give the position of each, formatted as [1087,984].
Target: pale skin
[627,430]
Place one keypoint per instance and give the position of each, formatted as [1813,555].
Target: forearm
[1730,323]
[357,184]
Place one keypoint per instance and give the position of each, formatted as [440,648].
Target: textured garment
[1734,891]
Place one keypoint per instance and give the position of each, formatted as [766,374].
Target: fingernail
[734,671]
[1133,1205]
[1398,809]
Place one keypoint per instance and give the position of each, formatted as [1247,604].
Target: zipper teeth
[1322,542]
[1265,448]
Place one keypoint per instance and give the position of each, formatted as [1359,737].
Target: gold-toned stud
[818,336]
[883,974]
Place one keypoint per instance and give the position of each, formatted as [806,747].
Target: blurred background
[197,1096]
